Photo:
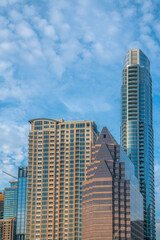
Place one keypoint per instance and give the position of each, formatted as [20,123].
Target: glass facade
[10,200]
[137,131]
[21,203]
[136,199]
[57,158]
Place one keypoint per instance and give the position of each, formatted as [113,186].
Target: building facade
[137,131]
[59,153]
[112,202]
[1,205]
[21,203]
[7,229]
[10,200]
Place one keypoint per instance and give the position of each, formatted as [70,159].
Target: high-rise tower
[137,131]
[112,202]
[59,153]
[21,203]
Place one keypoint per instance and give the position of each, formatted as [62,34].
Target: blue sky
[64,59]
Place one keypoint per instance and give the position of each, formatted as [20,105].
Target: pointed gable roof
[102,170]
[103,153]
[106,137]
[99,168]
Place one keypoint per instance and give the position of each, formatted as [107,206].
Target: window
[80,125]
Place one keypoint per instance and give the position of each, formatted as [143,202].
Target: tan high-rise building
[59,153]
[7,229]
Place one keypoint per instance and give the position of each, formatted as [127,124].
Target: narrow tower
[21,203]
[137,131]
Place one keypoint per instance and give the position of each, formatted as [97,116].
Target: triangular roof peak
[106,137]
[102,170]
[103,153]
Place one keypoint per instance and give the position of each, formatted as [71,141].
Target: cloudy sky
[64,59]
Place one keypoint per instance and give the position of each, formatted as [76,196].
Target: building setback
[21,203]
[137,130]
[59,153]
[112,203]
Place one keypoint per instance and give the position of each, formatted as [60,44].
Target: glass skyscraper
[21,203]
[137,131]
[10,200]
[59,153]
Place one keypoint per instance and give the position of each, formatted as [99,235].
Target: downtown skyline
[81,79]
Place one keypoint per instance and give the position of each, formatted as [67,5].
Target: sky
[64,59]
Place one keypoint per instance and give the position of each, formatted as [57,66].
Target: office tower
[112,202]
[1,205]
[137,131]
[21,203]
[59,153]
[10,200]
[7,229]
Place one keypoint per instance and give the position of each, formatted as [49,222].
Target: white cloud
[13,141]
[87,105]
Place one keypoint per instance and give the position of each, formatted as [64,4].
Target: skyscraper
[21,203]
[137,131]
[112,202]
[59,153]
[10,200]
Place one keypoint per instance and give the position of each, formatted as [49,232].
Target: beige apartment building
[58,155]
[7,229]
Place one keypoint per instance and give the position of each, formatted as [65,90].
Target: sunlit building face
[59,153]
